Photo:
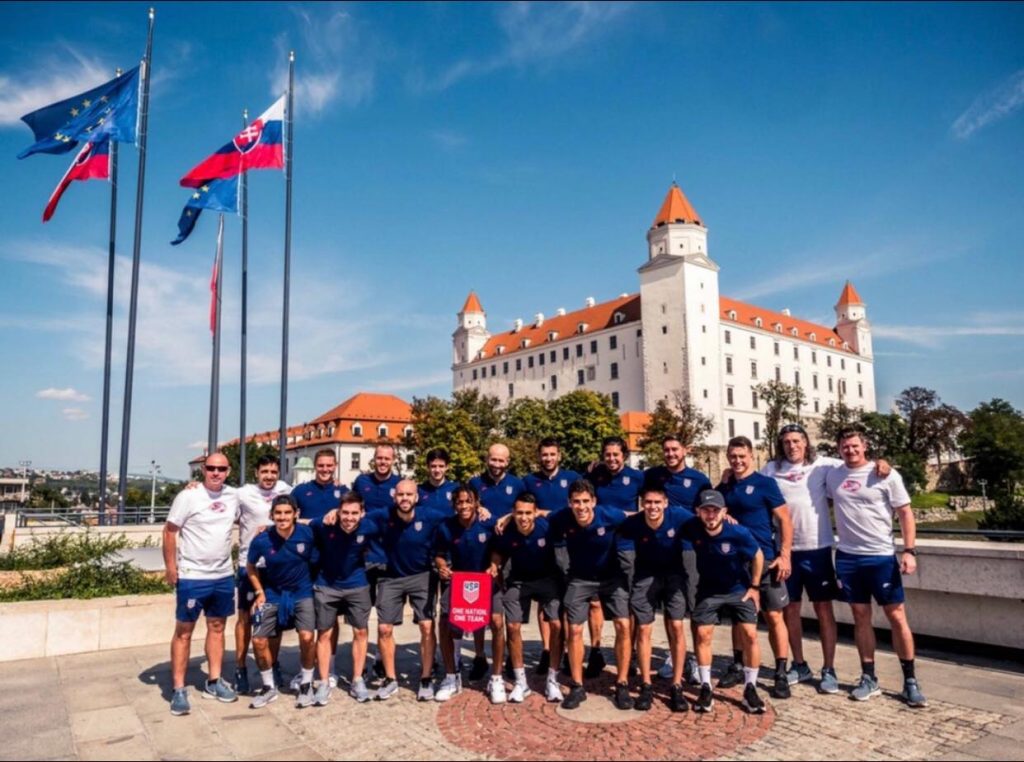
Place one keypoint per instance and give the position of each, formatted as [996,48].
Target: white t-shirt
[864,503]
[803,486]
[205,521]
[254,512]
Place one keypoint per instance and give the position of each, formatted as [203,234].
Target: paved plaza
[113,705]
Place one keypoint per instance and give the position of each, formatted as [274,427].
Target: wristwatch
[911,551]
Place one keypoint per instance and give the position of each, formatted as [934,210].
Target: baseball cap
[711,497]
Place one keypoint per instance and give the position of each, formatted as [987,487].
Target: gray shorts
[651,592]
[269,627]
[774,594]
[332,602]
[711,610]
[613,594]
[392,593]
[520,594]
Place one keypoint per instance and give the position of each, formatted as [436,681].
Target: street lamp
[154,469]
[984,500]
[25,465]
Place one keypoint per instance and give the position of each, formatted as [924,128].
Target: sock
[705,674]
[868,668]
[737,657]
[552,677]
[307,675]
[750,675]
[424,681]
[908,668]
[520,673]
[451,676]
[267,676]
[780,666]
[211,682]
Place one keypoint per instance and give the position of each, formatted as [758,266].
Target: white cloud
[994,104]
[332,63]
[534,34]
[74,414]
[199,444]
[65,395]
[932,335]
[448,140]
[53,79]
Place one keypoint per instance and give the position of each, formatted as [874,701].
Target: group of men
[615,542]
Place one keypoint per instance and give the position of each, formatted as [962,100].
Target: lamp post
[154,470]
[25,465]
[984,500]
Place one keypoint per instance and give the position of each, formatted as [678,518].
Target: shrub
[62,550]
[95,578]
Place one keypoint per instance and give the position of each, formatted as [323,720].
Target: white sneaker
[332,680]
[519,692]
[295,684]
[553,691]
[666,670]
[450,685]
[496,691]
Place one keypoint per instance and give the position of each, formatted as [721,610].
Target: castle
[678,334]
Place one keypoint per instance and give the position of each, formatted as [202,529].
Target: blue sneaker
[179,702]
[829,682]
[911,693]
[242,681]
[219,689]
[799,673]
[866,688]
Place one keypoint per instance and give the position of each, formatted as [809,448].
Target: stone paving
[113,705]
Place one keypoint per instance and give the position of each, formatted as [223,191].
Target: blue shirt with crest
[439,497]
[343,554]
[377,494]
[497,497]
[317,500]
[552,492]
[593,549]
[620,490]
[408,547]
[465,548]
[658,551]
[723,560]
[530,556]
[752,502]
[284,565]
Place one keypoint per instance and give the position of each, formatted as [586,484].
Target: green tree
[580,420]
[253,452]
[664,422]
[837,416]
[889,437]
[1008,513]
[438,423]
[916,404]
[782,403]
[680,418]
[525,422]
[994,440]
[45,496]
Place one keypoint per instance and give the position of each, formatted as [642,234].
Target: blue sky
[521,151]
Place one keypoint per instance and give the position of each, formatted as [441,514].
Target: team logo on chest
[625,480]
[217,506]
[359,539]
[337,493]
[418,526]
[672,533]
[471,591]
[541,542]
[301,548]
[851,485]
[600,531]
[687,482]
[392,492]
[482,537]
[726,547]
[750,489]
[563,483]
[508,490]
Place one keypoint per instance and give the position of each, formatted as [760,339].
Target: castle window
[860,390]
[732,428]
[615,400]
[664,329]
[794,332]
[579,350]
[753,401]
[494,370]
[554,383]
[831,342]
[529,361]
[703,361]
[579,377]
[858,367]
[728,365]
[511,390]
[753,369]
[775,348]
[519,363]
[814,357]
[753,342]
[591,373]
[705,394]
[331,429]
[581,328]
[728,337]
[554,356]
[817,406]
[842,363]
[729,396]
[474,374]
[778,373]
[796,378]
[382,431]
[732,314]
[593,347]
[552,335]
[524,343]
[758,322]
[618,318]
[504,367]
[830,383]
[796,353]
[541,358]
[565,353]
[813,336]
[814,380]
[614,370]
[407,431]
[757,430]
[501,349]
[828,360]
[613,342]
[778,328]
[354,462]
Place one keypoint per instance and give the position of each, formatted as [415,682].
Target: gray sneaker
[179,702]
[221,690]
[866,688]
[322,694]
[266,695]
[305,697]
[359,691]
[829,682]
[426,690]
[691,675]
[911,693]
[799,673]
[386,691]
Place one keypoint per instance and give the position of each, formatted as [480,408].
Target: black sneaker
[378,669]
[645,698]
[732,677]
[509,674]
[751,701]
[780,688]
[678,702]
[705,701]
[544,664]
[623,700]
[595,665]
[479,669]
[575,697]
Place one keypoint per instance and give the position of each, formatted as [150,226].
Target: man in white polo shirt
[866,560]
[197,561]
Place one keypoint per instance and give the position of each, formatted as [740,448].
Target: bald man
[497,488]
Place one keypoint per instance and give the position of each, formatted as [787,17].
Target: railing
[135,515]
[974,534]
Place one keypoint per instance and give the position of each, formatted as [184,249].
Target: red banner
[470,607]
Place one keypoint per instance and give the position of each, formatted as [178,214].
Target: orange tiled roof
[849,295]
[634,424]
[472,303]
[676,208]
[596,318]
[367,406]
[747,315]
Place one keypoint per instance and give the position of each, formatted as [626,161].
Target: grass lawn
[929,500]
[965,520]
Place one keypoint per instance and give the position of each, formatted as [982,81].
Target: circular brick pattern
[537,729]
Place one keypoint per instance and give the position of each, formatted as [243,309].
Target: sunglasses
[217,469]
[791,428]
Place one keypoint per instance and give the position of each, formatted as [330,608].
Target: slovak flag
[91,163]
[258,146]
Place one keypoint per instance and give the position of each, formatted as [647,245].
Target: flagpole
[218,268]
[111,263]
[245,305]
[133,308]
[288,162]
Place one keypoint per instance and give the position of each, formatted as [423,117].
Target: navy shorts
[862,578]
[813,571]
[215,597]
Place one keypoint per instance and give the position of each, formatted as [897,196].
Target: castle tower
[852,321]
[471,334]
[679,310]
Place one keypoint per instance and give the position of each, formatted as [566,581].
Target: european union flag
[107,112]
[219,195]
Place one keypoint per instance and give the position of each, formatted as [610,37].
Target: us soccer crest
[482,537]
[301,548]
[600,531]
[337,493]
[541,542]
[672,533]
[359,539]
[191,603]
[392,492]
[625,480]
[750,489]
[471,591]
[726,547]
[508,490]
[418,526]
[563,483]
[687,482]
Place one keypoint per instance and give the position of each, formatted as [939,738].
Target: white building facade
[678,334]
